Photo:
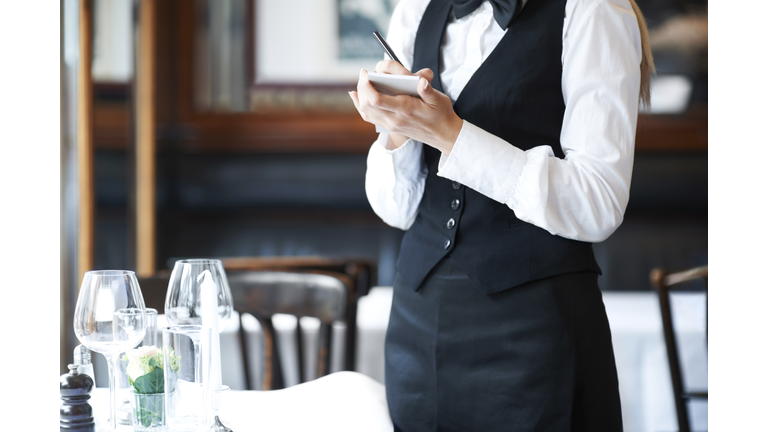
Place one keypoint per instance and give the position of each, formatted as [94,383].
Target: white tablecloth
[343,401]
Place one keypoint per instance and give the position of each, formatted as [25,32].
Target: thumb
[427,92]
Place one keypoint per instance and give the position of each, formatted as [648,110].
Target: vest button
[456,185]
[455,204]
[450,224]
[447,244]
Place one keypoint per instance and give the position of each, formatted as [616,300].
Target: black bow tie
[503,10]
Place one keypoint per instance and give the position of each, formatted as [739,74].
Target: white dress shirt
[581,197]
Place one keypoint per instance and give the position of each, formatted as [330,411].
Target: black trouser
[537,357]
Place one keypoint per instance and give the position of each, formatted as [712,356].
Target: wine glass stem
[112,366]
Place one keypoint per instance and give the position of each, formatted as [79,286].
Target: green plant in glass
[145,374]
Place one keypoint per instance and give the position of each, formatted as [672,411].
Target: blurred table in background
[641,358]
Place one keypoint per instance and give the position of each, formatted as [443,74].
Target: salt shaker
[83,361]
[75,413]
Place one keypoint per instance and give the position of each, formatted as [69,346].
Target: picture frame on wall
[326,44]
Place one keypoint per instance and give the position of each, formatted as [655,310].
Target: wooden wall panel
[145,141]
[85,186]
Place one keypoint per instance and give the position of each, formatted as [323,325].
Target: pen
[385,47]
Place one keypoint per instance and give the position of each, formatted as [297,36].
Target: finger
[391,67]
[367,114]
[428,93]
[365,88]
[362,79]
[367,101]
[426,73]
[355,100]
[369,97]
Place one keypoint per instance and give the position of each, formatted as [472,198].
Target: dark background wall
[218,205]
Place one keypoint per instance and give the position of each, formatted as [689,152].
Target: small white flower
[134,370]
[138,361]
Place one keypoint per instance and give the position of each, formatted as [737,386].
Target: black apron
[537,357]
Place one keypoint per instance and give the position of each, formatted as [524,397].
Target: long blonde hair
[646,64]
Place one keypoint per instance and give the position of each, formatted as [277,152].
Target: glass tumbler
[125,395]
[186,390]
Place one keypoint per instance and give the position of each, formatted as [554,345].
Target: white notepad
[394,85]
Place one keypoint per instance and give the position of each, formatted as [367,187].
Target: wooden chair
[664,283]
[359,273]
[265,293]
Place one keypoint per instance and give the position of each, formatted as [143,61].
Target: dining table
[341,402]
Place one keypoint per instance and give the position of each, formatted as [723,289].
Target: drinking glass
[124,408]
[183,304]
[186,387]
[110,319]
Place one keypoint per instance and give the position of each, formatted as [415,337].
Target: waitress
[514,160]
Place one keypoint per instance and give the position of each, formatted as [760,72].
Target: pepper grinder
[76,414]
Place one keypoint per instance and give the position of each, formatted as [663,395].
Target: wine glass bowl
[110,319]
[183,302]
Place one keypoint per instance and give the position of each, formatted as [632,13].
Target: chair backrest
[664,283]
[359,272]
[154,289]
[266,293]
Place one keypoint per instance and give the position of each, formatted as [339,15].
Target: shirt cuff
[403,162]
[483,162]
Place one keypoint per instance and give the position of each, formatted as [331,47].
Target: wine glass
[110,319]
[183,302]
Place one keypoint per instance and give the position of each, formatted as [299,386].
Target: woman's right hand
[366,93]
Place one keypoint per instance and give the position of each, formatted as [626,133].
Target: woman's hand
[429,119]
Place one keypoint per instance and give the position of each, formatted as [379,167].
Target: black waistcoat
[515,95]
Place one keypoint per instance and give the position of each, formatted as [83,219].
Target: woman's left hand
[429,119]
